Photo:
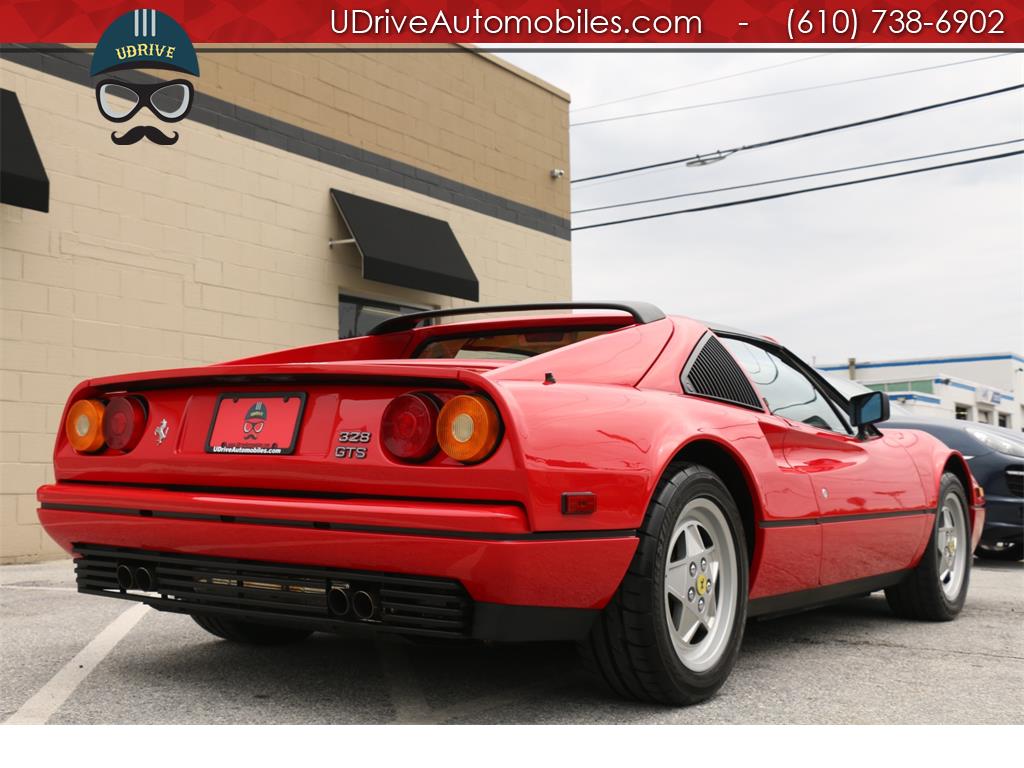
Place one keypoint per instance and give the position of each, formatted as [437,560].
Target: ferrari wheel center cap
[702,584]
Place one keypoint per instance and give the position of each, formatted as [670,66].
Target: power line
[796,178]
[799,191]
[697,82]
[719,154]
[804,89]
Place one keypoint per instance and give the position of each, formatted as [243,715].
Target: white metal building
[987,388]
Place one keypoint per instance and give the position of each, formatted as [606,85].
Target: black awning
[400,247]
[23,180]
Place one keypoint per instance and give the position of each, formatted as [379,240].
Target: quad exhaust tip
[338,602]
[364,605]
[144,579]
[141,578]
[125,579]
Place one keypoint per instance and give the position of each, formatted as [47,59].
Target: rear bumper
[489,554]
[1004,523]
[978,524]
[308,597]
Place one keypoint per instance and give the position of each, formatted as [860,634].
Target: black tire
[630,645]
[921,595]
[249,632]
[1010,554]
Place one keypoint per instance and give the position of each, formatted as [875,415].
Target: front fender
[933,458]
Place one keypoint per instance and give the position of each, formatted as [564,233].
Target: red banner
[855,22]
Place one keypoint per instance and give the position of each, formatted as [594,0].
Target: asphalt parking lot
[852,663]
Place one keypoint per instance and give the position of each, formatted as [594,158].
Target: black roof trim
[72,64]
[640,311]
[728,330]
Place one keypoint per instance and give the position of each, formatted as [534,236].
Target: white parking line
[49,698]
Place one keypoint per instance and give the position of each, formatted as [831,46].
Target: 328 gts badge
[349,451]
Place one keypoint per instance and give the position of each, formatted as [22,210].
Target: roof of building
[968,358]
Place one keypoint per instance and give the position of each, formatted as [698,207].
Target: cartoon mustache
[140,132]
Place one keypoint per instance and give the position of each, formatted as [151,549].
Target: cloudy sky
[930,264]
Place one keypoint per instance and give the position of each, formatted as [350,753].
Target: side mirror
[869,408]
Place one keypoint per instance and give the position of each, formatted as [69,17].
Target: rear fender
[614,442]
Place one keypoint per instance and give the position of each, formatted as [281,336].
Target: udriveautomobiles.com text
[362,22]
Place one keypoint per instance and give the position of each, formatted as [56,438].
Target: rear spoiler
[640,311]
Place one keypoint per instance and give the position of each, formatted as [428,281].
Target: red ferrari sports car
[640,483]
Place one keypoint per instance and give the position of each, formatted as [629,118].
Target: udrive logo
[140,40]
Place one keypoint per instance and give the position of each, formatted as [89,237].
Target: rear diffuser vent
[712,372]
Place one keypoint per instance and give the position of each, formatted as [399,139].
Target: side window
[788,392]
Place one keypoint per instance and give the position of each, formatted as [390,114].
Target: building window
[963,412]
[923,385]
[984,416]
[356,317]
[1004,420]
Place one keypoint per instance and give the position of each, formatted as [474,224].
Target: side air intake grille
[712,372]
[1015,479]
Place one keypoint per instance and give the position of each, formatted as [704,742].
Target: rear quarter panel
[618,442]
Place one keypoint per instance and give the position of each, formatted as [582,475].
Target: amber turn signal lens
[468,428]
[84,426]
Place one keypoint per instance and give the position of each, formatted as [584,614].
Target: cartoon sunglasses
[120,101]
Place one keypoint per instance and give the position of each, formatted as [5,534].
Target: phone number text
[848,23]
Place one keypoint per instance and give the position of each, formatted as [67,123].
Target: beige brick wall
[156,257]
[467,117]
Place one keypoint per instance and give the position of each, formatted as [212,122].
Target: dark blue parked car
[996,458]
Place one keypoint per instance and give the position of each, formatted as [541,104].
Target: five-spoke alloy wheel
[936,589]
[951,545]
[673,630]
[700,584]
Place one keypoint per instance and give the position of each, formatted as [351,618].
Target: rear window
[504,346]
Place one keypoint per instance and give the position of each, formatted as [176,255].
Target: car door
[868,491]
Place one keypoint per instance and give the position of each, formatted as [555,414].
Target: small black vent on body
[712,372]
[1015,479]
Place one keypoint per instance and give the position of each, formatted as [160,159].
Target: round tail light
[468,428]
[409,427]
[84,426]
[123,423]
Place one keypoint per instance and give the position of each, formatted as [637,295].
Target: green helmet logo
[144,39]
[255,420]
[257,411]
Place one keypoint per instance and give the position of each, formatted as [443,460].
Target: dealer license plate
[256,423]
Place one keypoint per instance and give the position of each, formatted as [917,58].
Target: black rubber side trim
[275,493]
[529,623]
[277,522]
[813,598]
[843,518]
